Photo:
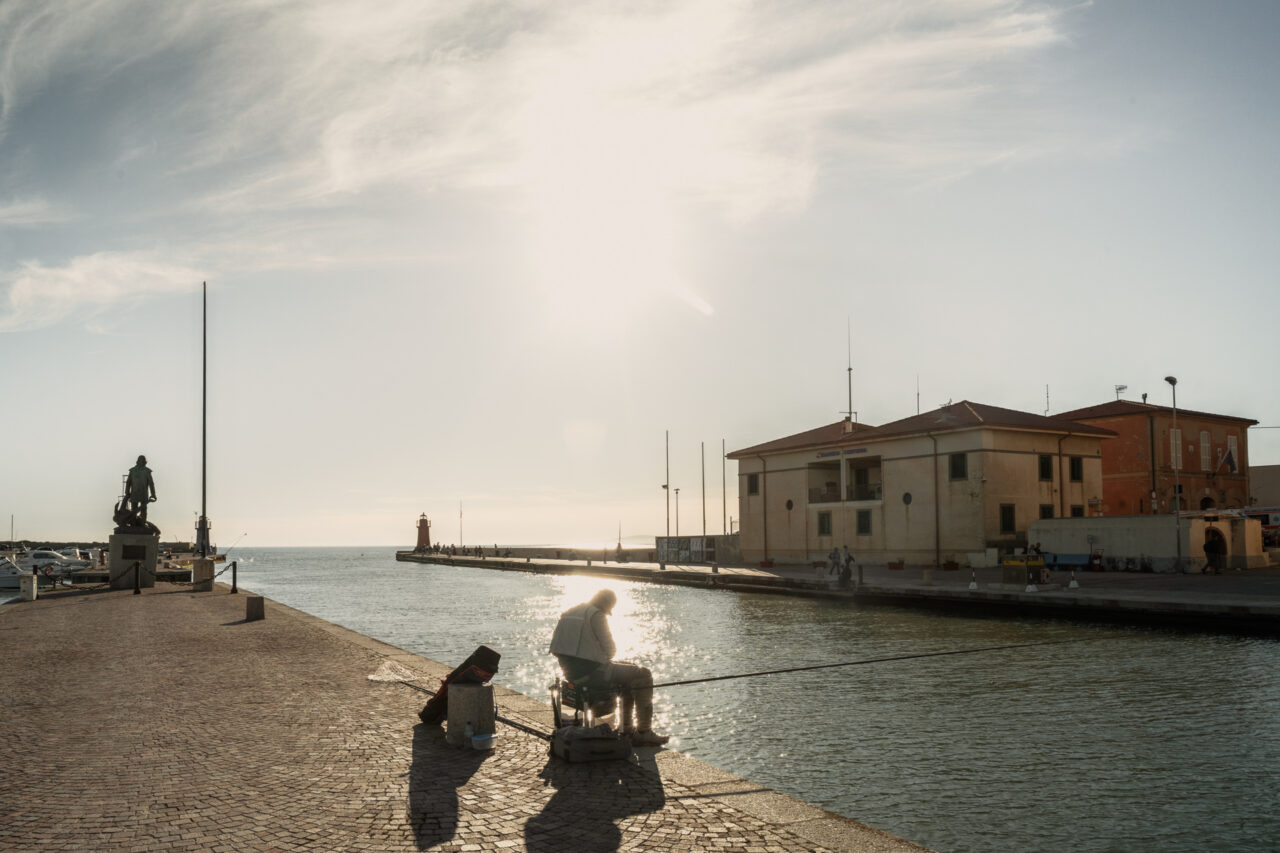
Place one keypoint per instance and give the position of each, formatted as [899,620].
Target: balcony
[868,492]
[828,495]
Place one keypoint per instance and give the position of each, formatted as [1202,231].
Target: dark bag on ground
[595,743]
[478,668]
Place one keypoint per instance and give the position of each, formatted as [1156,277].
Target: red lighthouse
[424,534]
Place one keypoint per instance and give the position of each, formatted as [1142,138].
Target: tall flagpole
[204,400]
[202,527]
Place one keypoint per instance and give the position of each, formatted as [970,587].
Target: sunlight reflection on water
[1131,740]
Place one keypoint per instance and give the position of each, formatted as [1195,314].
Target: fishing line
[530,730]
[870,660]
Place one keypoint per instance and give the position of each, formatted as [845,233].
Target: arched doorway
[1206,503]
[1215,550]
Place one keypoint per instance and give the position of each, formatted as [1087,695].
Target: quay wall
[1257,615]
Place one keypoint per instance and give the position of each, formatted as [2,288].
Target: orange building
[1211,453]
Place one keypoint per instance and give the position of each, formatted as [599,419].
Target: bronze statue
[139,490]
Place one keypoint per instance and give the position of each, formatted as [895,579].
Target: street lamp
[1176,458]
[677,513]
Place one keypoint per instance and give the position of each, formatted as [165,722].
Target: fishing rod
[871,660]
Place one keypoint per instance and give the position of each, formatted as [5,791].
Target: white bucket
[483,742]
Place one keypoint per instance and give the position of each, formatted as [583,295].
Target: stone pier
[290,733]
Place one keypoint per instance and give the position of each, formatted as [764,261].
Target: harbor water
[1119,740]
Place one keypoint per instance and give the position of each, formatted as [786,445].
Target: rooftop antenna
[1046,401]
[917,393]
[852,415]
[1120,389]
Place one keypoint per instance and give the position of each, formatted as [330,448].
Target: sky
[479,260]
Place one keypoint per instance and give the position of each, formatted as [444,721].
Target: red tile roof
[831,434]
[1120,408]
[958,416]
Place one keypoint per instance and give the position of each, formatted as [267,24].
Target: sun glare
[634,630]
[610,160]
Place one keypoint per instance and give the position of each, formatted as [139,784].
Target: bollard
[234,567]
[1031,584]
[715,568]
[137,578]
[254,608]
[973,579]
[30,585]
[1074,584]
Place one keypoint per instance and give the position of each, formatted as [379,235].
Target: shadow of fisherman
[589,801]
[437,772]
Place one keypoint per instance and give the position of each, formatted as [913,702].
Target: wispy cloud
[735,104]
[31,211]
[607,127]
[39,296]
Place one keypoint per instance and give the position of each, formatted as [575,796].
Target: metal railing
[871,492]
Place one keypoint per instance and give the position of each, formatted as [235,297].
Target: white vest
[575,637]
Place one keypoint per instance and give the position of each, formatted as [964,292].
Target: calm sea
[1129,740]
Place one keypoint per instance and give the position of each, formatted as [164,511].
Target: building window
[753,484]
[1077,510]
[1046,510]
[1008,520]
[864,522]
[1076,466]
[1206,452]
[824,523]
[1046,467]
[959,466]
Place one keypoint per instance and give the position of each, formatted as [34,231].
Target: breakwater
[1247,603]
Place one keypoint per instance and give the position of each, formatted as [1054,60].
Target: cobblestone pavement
[166,722]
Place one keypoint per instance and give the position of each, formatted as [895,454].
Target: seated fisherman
[584,645]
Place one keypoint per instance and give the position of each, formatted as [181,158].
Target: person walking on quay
[583,644]
[834,560]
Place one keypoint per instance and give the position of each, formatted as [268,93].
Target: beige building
[926,489]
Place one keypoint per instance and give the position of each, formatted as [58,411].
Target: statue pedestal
[125,549]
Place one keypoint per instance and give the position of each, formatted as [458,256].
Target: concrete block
[254,608]
[202,575]
[470,703]
[29,588]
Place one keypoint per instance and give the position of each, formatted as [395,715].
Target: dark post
[204,407]
[137,578]
[234,589]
